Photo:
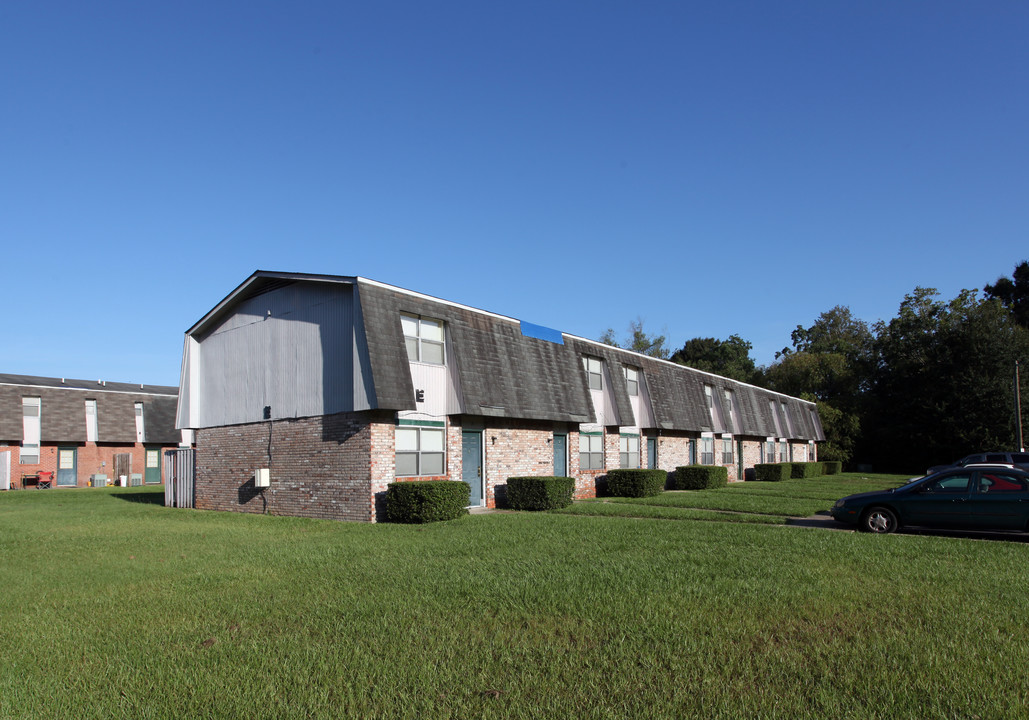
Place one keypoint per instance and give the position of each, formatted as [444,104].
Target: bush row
[434,500]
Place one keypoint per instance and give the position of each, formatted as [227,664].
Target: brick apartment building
[80,430]
[340,385]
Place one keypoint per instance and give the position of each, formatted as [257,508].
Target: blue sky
[714,168]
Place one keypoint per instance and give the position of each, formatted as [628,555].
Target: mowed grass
[114,606]
[760,502]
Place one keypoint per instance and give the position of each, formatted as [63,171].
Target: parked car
[975,497]
[1019,459]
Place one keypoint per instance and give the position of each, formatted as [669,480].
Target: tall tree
[1013,293]
[729,358]
[830,363]
[942,384]
[638,340]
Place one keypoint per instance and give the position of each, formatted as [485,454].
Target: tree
[1013,293]
[829,363]
[638,340]
[729,358]
[942,382]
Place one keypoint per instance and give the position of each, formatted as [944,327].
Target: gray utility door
[5,470]
[67,472]
[560,455]
[471,465]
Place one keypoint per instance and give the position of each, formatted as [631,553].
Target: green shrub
[636,482]
[540,493]
[805,469]
[426,501]
[772,472]
[700,477]
[832,467]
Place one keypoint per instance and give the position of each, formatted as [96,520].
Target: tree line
[930,385]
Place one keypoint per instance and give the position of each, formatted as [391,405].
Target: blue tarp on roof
[542,333]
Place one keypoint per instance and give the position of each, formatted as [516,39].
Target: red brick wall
[320,466]
[89,461]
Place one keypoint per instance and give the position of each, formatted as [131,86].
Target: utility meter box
[262,477]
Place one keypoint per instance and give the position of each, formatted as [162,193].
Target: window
[707,451]
[783,452]
[139,423]
[629,451]
[591,451]
[91,432]
[30,411]
[707,396]
[727,451]
[632,381]
[769,451]
[997,483]
[419,451]
[594,372]
[424,339]
[949,484]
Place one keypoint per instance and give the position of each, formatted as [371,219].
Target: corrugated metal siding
[290,349]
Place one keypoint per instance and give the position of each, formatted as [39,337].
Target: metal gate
[178,477]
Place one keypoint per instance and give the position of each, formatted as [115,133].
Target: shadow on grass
[147,498]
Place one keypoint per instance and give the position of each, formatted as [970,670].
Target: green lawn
[769,502]
[114,606]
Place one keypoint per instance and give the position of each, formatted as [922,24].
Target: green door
[152,474]
[67,470]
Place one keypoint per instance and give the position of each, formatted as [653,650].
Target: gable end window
[424,339]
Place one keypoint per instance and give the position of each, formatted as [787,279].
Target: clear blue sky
[715,168]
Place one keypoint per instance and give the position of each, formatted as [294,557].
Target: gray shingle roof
[63,410]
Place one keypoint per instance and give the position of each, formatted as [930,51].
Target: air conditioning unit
[135,479]
[262,478]
[98,480]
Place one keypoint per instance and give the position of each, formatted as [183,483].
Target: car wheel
[879,520]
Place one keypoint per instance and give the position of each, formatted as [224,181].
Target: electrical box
[262,477]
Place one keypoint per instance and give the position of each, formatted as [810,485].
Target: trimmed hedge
[772,472]
[832,467]
[424,501]
[806,469]
[540,493]
[700,477]
[636,482]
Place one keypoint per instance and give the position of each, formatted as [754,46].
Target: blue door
[560,455]
[471,465]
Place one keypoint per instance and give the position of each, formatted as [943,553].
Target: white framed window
[91,427]
[707,451]
[726,451]
[591,451]
[424,339]
[708,396]
[140,429]
[632,381]
[629,451]
[31,409]
[594,372]
[419,451]
[783,451]
[769,451]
